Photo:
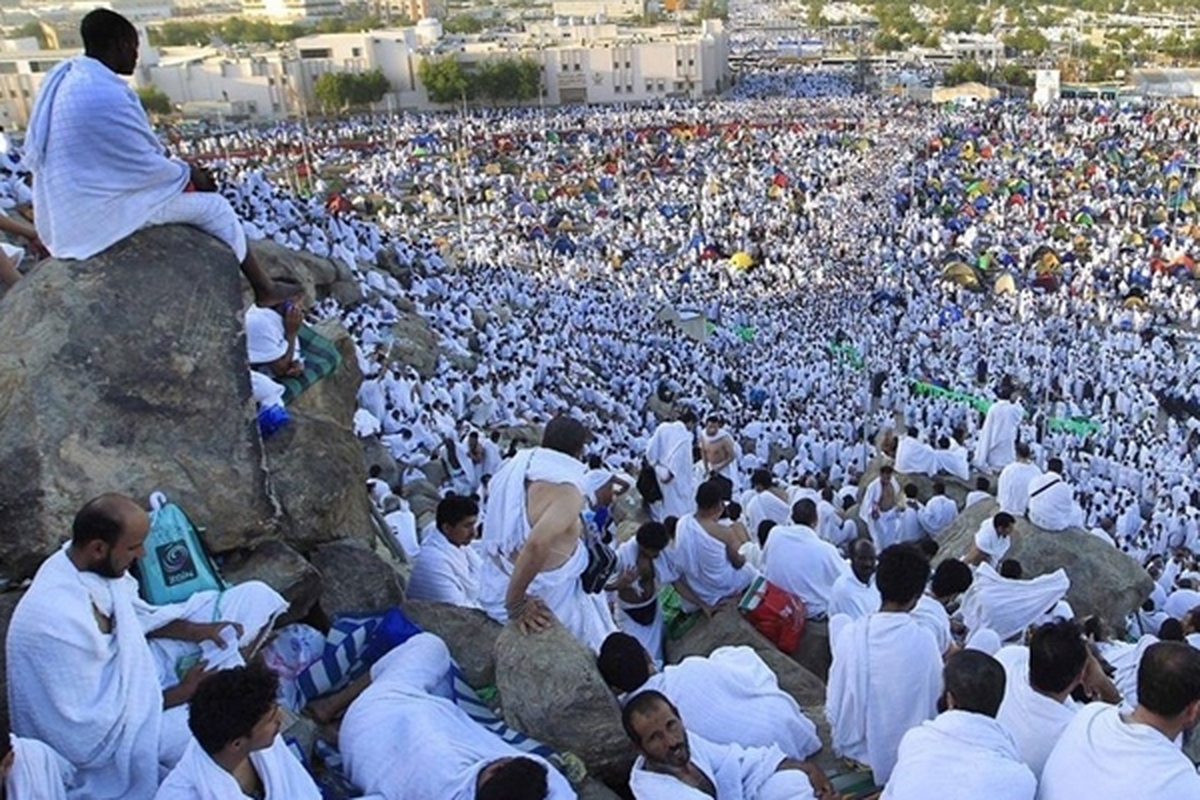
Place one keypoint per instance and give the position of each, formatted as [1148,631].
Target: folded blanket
[321,358]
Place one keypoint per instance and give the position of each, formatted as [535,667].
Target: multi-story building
[611,9]
[291,10]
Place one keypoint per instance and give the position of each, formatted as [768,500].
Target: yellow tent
[960,273]
[1005,284]
[742,260]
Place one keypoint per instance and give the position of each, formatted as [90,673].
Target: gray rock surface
[727,627]
[281,568]
[468,632]
[415,344]
[551,690]
[355,579]
[1104,580]
[314,273]
[318,477]
[127,372]
[814,653]
[8,604]
[375,454]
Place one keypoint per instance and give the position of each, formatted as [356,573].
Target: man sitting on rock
[674,763]
[707,554]
[403,737]
[100,173]
[447,568]
[1052,503]
[534,552]
[964,752]
[729,697]
[236,750]
[992,540]
[102,676]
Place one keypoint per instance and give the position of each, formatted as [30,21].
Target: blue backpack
[176,565]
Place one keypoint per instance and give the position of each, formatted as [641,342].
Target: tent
[1005,284]
[959,273]
[742,260]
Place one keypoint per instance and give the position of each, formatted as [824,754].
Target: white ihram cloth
[886,678]
[445,573]
[198,777]
[404,738]
[885,530]
[1052,503]
[93,697]
[991,543]
[914,457]
[1008,605]
[962,755]
[936,515]
[763,506]
[670,453]
[737,773]
[802,563]
[1012,488]
[852,597]
[507,527]
[1035,721]
[99,170]
[932,614]
[38,772]
[732,697]
[730,470]
[701,559]
[650,636]
[996,446]
[1103,756]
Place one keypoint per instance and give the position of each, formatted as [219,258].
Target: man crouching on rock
[534,555]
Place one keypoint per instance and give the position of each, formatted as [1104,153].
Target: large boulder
[8,604]
[127,372]
[281,568]
[956,488]
[376,455]
[550,689]
[727,627]
[1104,580]
[468,632]
[354,579]
[317,473]
[315,274]
[414,344]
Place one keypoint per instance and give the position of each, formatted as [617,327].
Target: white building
[612,9]
[291,10]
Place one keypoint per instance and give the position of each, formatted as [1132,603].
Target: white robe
[886,678]
[198,777]
[800,562]
[763,506]
[936,515]
[1007,605]
[1035,721]
[670,453]
[991,543]
[1109,758]
[737,773]
[650,636]
[961,755]
[732,697]
[1052,503]
[1012,488]
[38,772]
[701,559]
[445,573]
[405,737]
[932,614]
[996,446]
[505,531]
[885,530]
[852,597]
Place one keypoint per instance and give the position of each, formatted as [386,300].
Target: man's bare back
[553,511]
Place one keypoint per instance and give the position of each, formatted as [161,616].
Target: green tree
[1027,41]
[1016,75]
[815,16]
[443,78]
[506,79]
[964,72]
[712,9]
[888,42]
[154,100]
[463,23]
[961,19]
[337,91]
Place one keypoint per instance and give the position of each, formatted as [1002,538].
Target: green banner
[1080,426]
[846,352]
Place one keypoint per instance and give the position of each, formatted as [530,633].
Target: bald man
[102,676]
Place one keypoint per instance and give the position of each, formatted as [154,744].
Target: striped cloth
[321,358]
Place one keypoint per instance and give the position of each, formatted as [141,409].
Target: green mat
[321,358]
[676,621]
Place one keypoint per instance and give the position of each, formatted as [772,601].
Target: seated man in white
[1037,703]
[403,737]
[1012,489]
[854,593]
[1010,605]
[765,500]
[937,514]
[964,753]
[951,578]
[1052,503]
[236,750]
[642,568]
[272,339]
[102,676]
[30,770]
[447,567]
[100,172]
[879,508]
[992,540]
[886,675]
[676,765]
[729,697]
[1113,754]
[706,553]
[798,561]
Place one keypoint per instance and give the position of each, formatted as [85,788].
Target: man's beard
[106,569]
